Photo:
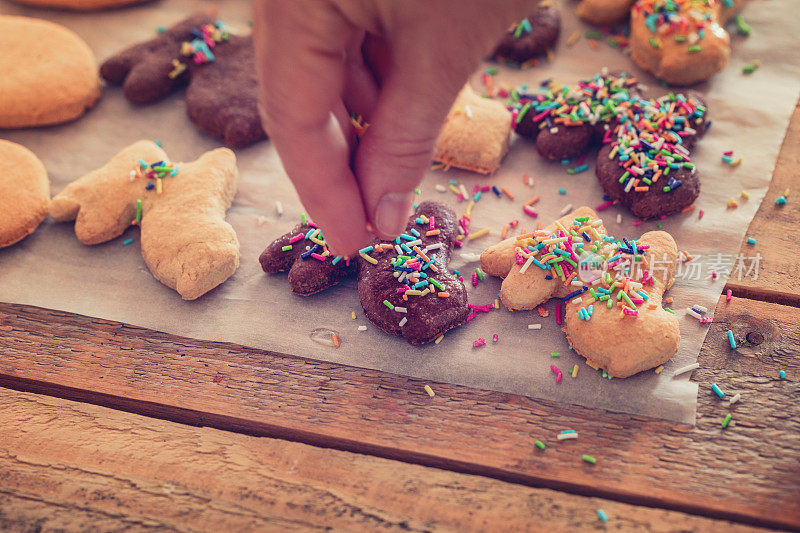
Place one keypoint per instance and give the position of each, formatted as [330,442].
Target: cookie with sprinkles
[304,254]
[647,166]
[617,321]
[533,36]
[542,264]
[404,285]
[610,288]
[682,41]
[645,162]
[179,207]
[216,67]
[565,121]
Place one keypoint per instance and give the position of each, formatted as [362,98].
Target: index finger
[301,54]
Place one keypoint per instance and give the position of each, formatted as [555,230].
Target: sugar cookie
[24,193]
[49,73]
[611,288]
[681,41]
[475,134]
[180,207]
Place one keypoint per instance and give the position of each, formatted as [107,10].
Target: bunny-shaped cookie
[186,242]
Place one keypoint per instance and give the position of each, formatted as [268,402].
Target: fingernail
[392,213]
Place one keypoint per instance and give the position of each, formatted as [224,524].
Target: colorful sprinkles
[205,39]
[647,135]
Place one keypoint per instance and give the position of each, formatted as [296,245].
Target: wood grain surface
[72,466]
[749,472]
[773,228]
[216,436]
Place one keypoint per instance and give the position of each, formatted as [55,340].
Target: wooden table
[109,426]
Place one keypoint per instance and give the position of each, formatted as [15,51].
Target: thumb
[396,149]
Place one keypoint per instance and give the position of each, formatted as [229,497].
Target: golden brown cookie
[681,41]
[24,192]
[625,344]
[610,288]
[49,73]
[80,5]
[525,287]
[475,135]
[180,207]
[604,12]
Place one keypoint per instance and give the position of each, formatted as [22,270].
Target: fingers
[360,88]
[300,62]
[397,148]
[422,61]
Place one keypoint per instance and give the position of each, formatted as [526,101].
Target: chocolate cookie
[645,164]
[668,181]
[531,37]
[404,285]
[303,253]
[217,68]
[567,121]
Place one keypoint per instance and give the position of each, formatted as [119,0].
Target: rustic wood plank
[72,466]
[777,280]
[748,473]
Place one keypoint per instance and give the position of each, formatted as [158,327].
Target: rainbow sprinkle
[205,39]
[604,270]
[647,136]
[152,171]
[685,20]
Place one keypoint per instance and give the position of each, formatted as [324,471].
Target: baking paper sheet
[52,269]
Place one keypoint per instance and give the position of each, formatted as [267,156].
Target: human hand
[397,63]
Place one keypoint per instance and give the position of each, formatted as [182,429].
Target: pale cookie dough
[186,242]
[681,42]
[475,135]
[24,193]
[612,295]
[49,75]
[80,5]
[604,12]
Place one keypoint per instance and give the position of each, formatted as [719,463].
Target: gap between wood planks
[244,427]
[764,295]
[255,428]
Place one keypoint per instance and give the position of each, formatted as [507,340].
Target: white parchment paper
[52,269]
